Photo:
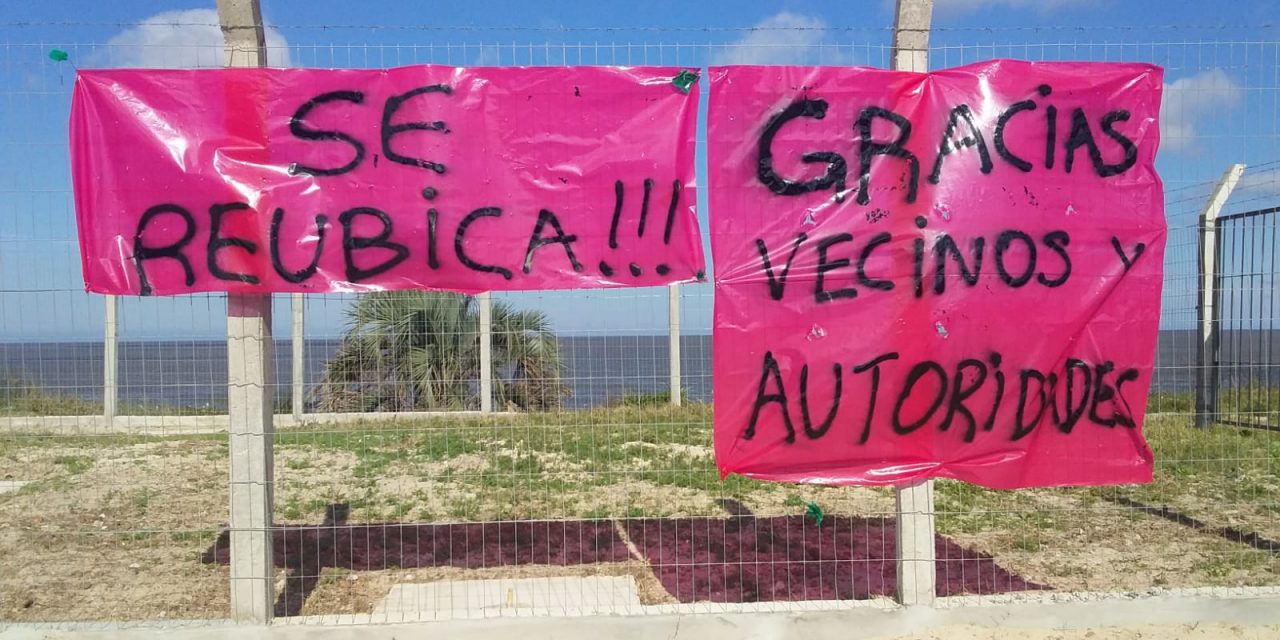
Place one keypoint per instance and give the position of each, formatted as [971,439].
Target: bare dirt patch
[1072,546]
[116,529]
[119,535]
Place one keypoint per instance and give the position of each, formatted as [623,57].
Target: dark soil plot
[747,559]
[736,559]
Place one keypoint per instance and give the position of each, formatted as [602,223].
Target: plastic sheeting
[309,180]
[954,274]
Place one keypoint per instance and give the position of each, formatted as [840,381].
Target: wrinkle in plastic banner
[954,274]
[426,177]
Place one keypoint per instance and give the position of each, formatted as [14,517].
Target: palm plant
[420,350]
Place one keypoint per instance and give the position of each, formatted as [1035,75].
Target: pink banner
[308,180]
[954,274]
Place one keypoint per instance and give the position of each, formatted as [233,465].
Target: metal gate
[1243,366]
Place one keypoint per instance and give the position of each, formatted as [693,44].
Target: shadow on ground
[741,558]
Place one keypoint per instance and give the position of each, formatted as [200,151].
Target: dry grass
[114,526]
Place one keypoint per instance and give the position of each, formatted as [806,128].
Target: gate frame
[1208,311]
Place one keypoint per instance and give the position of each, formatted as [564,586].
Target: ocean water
[597,368]
[194,373]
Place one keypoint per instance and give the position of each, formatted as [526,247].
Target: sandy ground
[117,531]
[1152,632]
[1104,548]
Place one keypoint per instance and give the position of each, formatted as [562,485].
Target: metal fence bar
[1249,214]
[1207,309]
[249,391]
[917,573]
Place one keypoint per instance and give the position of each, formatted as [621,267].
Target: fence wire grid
[589,489]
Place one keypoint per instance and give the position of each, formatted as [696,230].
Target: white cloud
[1043,6]
[1263,182]
[180,40]
[783,38]
[1188,101]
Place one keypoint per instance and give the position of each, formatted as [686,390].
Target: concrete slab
[191,425]
[7,486]
[1236,613]
[528,596]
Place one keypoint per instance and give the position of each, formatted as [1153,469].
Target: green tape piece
[684,80]
[815,512]
[58,55]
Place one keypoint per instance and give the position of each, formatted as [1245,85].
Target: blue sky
[1222,71]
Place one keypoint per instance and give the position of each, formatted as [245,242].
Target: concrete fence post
[673,338]
[249,407]
[250,396]
[110,359]
[298,356]
[485,301]
[915,530]
[1207,307]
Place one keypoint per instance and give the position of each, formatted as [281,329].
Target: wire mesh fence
[587,489]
